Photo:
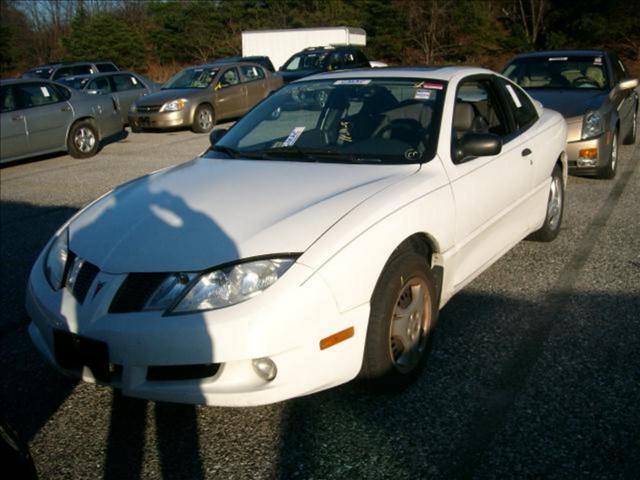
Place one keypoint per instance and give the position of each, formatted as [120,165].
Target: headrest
[595,74]
[463,116]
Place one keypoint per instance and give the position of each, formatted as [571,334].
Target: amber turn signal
[588,153]
[336,338]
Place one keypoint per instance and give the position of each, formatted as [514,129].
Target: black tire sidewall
[71,146]
[609,172]
[378,369]
[196,127]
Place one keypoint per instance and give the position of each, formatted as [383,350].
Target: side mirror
[216,134]
[473,145]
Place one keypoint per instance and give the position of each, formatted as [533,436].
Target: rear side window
[7,100]
[106,67]
[62,72]
[524,111]
[81,70]
[31,95]
[101,84]
[349,59]
[250,73]
[126,82]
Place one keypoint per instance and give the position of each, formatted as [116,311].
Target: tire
[630,139]
[204,119]
[609,170]
[403,314]
[555,209]
[83,140]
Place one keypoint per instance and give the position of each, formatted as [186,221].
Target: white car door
[488,191]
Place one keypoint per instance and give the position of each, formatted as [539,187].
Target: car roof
[15,81]
[444,73]
[75,62]
[566,53]
[99,74]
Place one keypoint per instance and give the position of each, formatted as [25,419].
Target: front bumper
[589,166]
[286,324]
[159,119]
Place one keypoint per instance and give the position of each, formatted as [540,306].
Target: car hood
[570,103]
[212,211]
[162,96]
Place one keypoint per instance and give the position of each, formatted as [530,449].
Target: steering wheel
[577,82]
[407,129]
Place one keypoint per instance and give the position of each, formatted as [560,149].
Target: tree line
[159,36]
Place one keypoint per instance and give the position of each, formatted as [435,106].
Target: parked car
[124,87]
[56,71]
[260,60]
[596,95]
[305,247]
[322,59]
[39,117]
[200,96]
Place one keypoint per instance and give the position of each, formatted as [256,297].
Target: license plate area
[74,352]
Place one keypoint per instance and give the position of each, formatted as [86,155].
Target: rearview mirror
[473,145]
[216,134]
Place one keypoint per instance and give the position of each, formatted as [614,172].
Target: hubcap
[614,151]
[409,324]
[84,139]
[204,119]
[555,202]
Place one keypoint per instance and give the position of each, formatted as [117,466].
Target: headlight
[133,108]
[56,260]
[232,285]
[174,106]
[591,125]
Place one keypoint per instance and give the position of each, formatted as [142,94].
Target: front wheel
[83,139]
[631,136]
[609,170]
[203,119]
[555,208]
[403,314]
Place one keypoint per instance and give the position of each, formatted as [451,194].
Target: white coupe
[313,243]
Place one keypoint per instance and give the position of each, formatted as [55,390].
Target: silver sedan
[39,117]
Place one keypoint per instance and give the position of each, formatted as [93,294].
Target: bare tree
[530,15]
[428,26]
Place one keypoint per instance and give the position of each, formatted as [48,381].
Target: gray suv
[55,71]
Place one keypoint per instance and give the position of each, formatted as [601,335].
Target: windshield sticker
[558,59]
[293,137]
[423,94]
[134,81]
[429,85]
[597,61]
[353,81]
[45,91]
[514,97]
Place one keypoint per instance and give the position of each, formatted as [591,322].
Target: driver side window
[229,78]
[477,110]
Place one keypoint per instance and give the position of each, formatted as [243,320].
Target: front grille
[135,291]
[182,372]
[148,108]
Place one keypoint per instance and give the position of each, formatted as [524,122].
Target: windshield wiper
[228,150]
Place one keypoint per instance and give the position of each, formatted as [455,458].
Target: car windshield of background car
[559,72]
[192,78]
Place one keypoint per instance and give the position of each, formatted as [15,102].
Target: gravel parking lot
[535,370]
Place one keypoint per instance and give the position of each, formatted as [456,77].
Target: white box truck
[279,45]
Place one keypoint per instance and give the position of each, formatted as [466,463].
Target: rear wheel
[83,139]
[609,170]
[203,119]
[403,314]
[555,208]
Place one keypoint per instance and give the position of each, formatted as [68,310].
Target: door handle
[17,118]
[65,109]
[526,152]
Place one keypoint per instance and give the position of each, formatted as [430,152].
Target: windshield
[74,82]
[565,72]
[192,78]
[305,61]
[38,73]
[364,120]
